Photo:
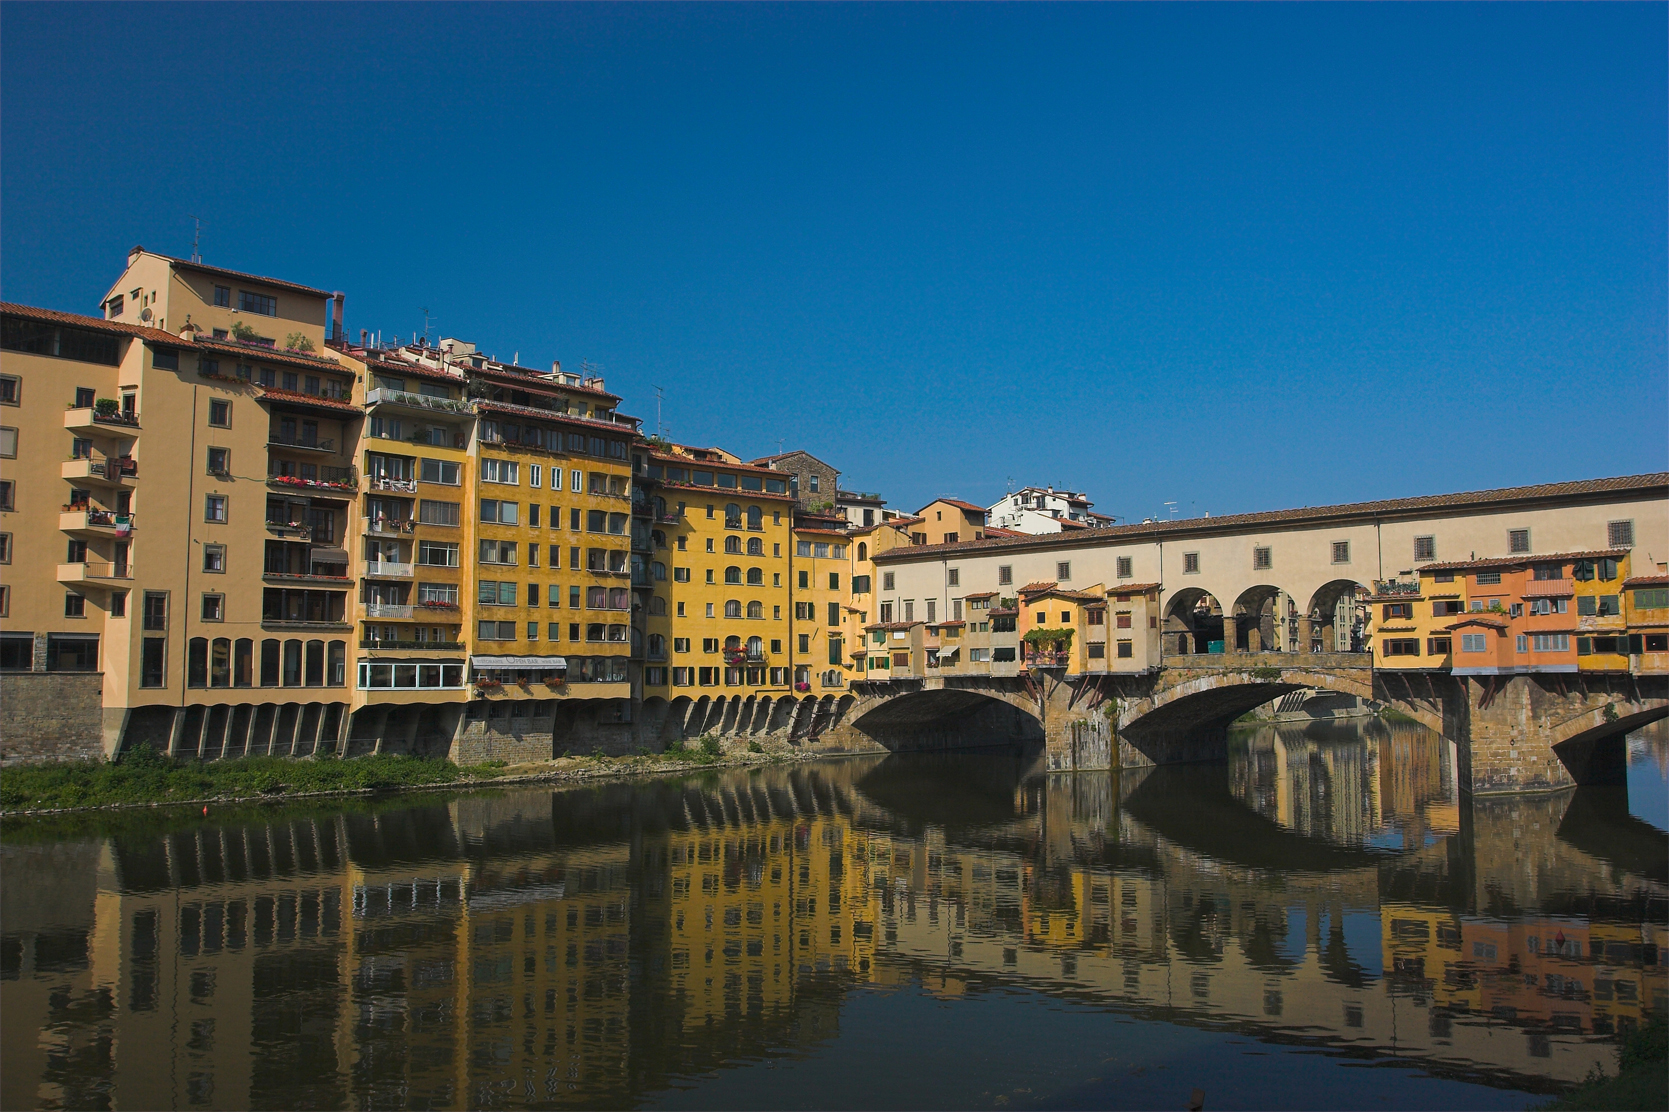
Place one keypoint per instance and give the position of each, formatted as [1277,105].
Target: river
[1320,923]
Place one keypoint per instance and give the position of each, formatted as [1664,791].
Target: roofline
[1438,505]
[205,268]
[98,324]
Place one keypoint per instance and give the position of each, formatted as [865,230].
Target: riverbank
[148,779]
[1642,1080]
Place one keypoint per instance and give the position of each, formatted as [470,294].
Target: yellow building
[1646,610]
[728,527]
[201,631]
[822,585]
[1601,627]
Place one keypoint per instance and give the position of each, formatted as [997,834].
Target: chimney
[556,366]
[337,299]
[364,338]
[134,253]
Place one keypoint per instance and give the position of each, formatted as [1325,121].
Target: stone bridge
[1512,733]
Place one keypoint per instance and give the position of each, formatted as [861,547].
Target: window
[1651,598]
[1474,642]
[11,390]
[214,508]
[1488,578]
[220,461]
[1063,571]
[438,513]
[437,554]
[500,513]
[1425,548]
[1518,540]
[1341,552]
[75,606]
[6,500]
[1587,606]
[498,552]
[1619,534]
[1437,646]
[860,584]
[5,548]
[1126,650]
[500,471]
[214,608]
[257,303]
[156,610]
[498,631]
[84,397]
[1548,572]
[1550,642]
[8,442]
[1401,646]
[887,580]
[440,471]
[1399,611]
[1262,559]
[1124,567]
[1190,563]
[493,592]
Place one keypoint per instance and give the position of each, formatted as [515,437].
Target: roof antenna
[426,319]
[196,238]
[660,427]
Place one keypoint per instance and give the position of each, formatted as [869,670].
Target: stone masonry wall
[51,716]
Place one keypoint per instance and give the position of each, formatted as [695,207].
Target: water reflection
[602,947]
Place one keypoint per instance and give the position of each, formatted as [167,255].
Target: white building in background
[1039,510]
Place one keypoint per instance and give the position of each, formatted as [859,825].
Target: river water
[1319,923]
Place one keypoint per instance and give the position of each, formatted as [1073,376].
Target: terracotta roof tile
[958,503]
[1390,507]
[982,594]
[255,353]
[1478,619]
[1647,581]
[204,268]
[97,324]
[485,406]
[1525,560]
[1038,588]
[294,398]
[1132,588]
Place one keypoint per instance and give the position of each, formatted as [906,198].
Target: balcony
[398,611]
[389,527]
[398,486]
[387,569]
[296,529]
[407,646]
[1047,660]
[96,574]
[415,403]
[100,424]
[301,625]
[302,444]
[116,472]
[303,578]
[82,522]
[330,480]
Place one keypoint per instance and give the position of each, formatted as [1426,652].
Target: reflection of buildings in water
[1323,782]
[463,955]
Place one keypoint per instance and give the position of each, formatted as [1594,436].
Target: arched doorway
[1265,620]
[1193,623]
[1338,617]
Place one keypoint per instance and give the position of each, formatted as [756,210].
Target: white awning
[545,662]
[326,554]
[952,651]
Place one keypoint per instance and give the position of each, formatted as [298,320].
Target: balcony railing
[94,572]
[384,396]
[438,646]
[299,530]
[387,482]
[112,471]
[396,610]
[82,519]
[391,527]
[1048,660]
[113,424]
[388,569]
[311,444]
[326,478]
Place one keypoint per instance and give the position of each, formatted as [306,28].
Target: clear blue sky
[1235,256]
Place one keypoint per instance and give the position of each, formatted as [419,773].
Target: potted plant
[107,407]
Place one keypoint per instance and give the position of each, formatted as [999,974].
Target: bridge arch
[1263,620]
[1591,746]
[947,718]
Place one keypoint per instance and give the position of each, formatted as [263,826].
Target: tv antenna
[196,239]
[427,318]
[1170,509]
[660,426]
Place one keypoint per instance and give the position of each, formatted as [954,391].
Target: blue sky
[1232,256]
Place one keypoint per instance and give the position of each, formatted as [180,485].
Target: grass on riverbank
[145,776]
[1642,1080]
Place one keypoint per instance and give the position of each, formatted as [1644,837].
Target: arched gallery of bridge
[1260,617]
[800,716]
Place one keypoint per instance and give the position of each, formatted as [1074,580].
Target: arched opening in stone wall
[1193,622]
[1338,617]
[1265,620]
[948,718]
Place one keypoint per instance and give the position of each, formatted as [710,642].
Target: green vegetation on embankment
[1642,1081]
[145,776]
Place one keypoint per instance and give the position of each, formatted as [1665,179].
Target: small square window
[220,413]
[220,461]
[1262,559]
[1124,567]
[75,606]
[886,581]
[5,548]
[1425,548]
[11,390]
[214,608]
[1619,534]
[214,508]
[223,296]
[1005,576]
[1341,552]
[1518,540]
[8,442]
[214,557]
[953,576]
[1063,571]
[1190,563]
